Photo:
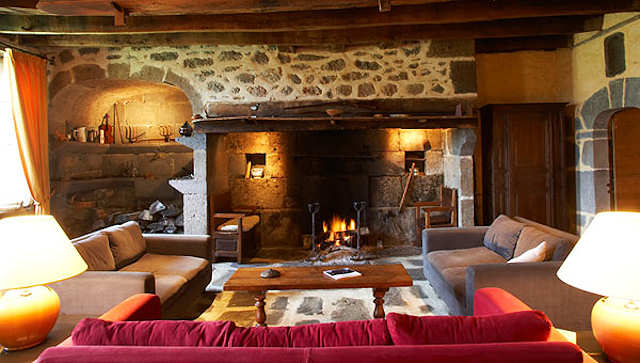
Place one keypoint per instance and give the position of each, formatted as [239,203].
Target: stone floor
[298,307]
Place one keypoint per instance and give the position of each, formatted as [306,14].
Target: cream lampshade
[606,261]
[34,251]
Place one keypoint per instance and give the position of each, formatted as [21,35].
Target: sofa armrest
[95,292]
[451,238]
[537,285]
[179,244]
[134,308]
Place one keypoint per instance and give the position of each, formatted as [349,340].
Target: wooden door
[528,160]
[625,160]
[529,166]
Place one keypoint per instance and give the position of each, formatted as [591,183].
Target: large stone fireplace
[331,167]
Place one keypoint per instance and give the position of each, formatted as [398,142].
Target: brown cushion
[126,242]
[455,277]
[185,266]
[445,259]
[502,236]
[95,251]
[168,285]
[530,237]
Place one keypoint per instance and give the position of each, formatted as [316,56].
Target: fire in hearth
[338,232]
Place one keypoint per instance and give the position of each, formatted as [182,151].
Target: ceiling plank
[442,13]
[495,29]
[173,7]
[501,45]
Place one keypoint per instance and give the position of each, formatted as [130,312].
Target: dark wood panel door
[528,162]
[529,166]
[625,157]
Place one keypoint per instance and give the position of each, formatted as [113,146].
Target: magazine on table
[341,273]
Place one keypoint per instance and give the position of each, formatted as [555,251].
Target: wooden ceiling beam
[441,13]
[495,29]
[173,7]
[544,42]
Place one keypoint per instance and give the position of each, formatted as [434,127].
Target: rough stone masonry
[240,74]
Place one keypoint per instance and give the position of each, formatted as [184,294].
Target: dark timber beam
[495,29]
[223,125]
[169,7]
[438,13]
[501,45]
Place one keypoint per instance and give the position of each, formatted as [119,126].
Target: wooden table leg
[261,315]
[378,295]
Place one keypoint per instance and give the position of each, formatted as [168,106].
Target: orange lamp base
[616,326]
[26,316]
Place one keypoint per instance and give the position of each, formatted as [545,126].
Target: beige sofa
[123,262]
[459,261]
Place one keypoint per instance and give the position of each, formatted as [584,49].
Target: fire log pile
[157,218]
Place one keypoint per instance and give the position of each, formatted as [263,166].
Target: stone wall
[597,98]
[240,74]
[91,182]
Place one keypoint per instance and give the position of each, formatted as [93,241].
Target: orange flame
[337,225]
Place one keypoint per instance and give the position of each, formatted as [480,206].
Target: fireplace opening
[333,169]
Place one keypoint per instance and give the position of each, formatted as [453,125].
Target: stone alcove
[94,183]
[592,145]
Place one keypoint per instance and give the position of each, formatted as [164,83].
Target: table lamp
[606,261]
[34,251]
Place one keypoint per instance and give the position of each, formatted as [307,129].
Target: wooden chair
[235,235]
[440,213]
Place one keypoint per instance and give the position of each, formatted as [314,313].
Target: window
[14,191]
[614,54]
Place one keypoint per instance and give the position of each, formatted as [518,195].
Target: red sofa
[502,329]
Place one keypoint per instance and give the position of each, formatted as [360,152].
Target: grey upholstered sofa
[122,262]
[457,263]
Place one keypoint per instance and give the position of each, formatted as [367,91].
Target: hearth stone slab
[310,306]
[414,262]
[416,273]
[241,298]
[393,297]
[280,303]
[275,317]
[241,318]
[350,309]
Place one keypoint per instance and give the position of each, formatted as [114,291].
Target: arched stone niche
[592,145]
[92,182]
[142,105]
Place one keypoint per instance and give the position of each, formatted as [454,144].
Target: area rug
[299,307]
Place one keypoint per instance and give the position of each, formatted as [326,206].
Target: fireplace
[333,169]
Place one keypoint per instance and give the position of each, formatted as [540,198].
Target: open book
[341,273]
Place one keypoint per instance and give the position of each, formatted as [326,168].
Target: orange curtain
[27,86]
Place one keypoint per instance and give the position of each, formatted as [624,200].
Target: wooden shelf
[231,124]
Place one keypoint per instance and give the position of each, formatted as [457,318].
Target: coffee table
[378,277]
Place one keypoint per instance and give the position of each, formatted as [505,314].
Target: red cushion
[493,300]
[153,333]
[136,307]
[226,334]
[424,330]
[340,334]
